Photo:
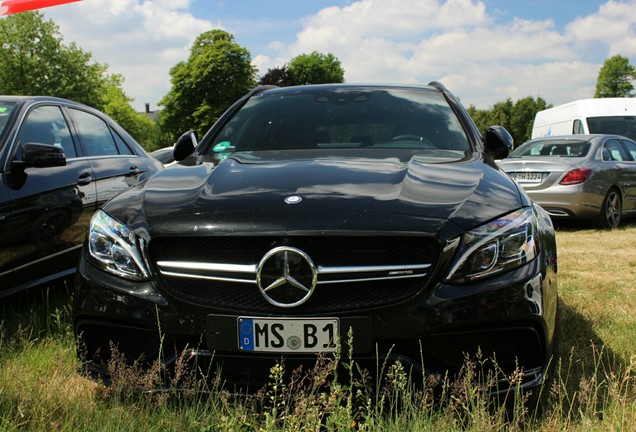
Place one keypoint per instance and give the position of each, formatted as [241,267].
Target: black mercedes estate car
[309,212]
[59,161]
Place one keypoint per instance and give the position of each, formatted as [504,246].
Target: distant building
[151,114]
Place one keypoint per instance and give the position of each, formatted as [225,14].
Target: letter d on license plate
[287,334]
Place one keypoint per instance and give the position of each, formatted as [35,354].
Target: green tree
[139,125]
[615,78]
[216,74]
[35,61]
[522,117]
[498,114]
[315,68]
[278,76]
[516,117]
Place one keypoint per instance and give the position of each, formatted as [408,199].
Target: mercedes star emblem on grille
[293,199]
[286,277]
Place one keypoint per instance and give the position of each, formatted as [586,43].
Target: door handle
[84,179]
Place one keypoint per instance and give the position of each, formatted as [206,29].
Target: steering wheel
[422,142]
[408,137]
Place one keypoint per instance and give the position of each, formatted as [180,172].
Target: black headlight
[115,248]
[498,246]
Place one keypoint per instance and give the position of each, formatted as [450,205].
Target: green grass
[593,388]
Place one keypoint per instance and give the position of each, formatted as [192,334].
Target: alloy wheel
[613,209]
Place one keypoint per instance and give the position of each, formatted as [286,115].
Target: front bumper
[508,319]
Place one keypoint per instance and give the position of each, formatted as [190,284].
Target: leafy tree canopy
[216,74]
[140,126]
[615,78]
[315,68]
[516,117]
[278,76]
[35,61]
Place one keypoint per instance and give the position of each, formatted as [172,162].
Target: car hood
[250,191]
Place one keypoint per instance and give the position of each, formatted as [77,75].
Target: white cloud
[482,60]
[489,84]
[484,56]
[394,22]
[140,40]
[614,25]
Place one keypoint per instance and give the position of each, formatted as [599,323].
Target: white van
[586,116]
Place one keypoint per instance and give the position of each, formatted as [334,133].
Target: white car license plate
[527,177]
[288,334]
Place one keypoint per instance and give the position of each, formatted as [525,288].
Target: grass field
[593,388]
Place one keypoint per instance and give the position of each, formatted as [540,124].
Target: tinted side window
[122,147]
[631,149]
[94,134]
[577,127]
[619,125]
[46,125]
[613,151]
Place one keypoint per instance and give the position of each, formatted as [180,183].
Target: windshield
[342,118]
[5,112]
[619,125]
[561,148]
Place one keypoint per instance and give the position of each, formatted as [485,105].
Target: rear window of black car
[344,118]
[561,148]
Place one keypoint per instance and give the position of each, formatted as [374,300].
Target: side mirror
[41,156]
[185,145]
[499,142]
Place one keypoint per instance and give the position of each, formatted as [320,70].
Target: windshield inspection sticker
[222,146]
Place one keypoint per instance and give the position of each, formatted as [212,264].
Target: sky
[484,51]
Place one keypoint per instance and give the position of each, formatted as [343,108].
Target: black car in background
[308,212]
[59,162]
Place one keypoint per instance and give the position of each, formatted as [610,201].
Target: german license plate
[527,177]
[287,334]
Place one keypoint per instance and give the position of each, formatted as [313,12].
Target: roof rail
[439,86]
[260,89]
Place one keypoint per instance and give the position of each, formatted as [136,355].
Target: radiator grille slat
[353,272]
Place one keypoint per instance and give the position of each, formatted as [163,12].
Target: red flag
[8,7]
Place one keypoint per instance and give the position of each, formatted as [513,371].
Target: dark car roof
[40,98]
[347,86]
[18,98]
[23,101]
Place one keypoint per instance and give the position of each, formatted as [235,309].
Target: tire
[611,210]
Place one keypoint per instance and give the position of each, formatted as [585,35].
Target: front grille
[353,272]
